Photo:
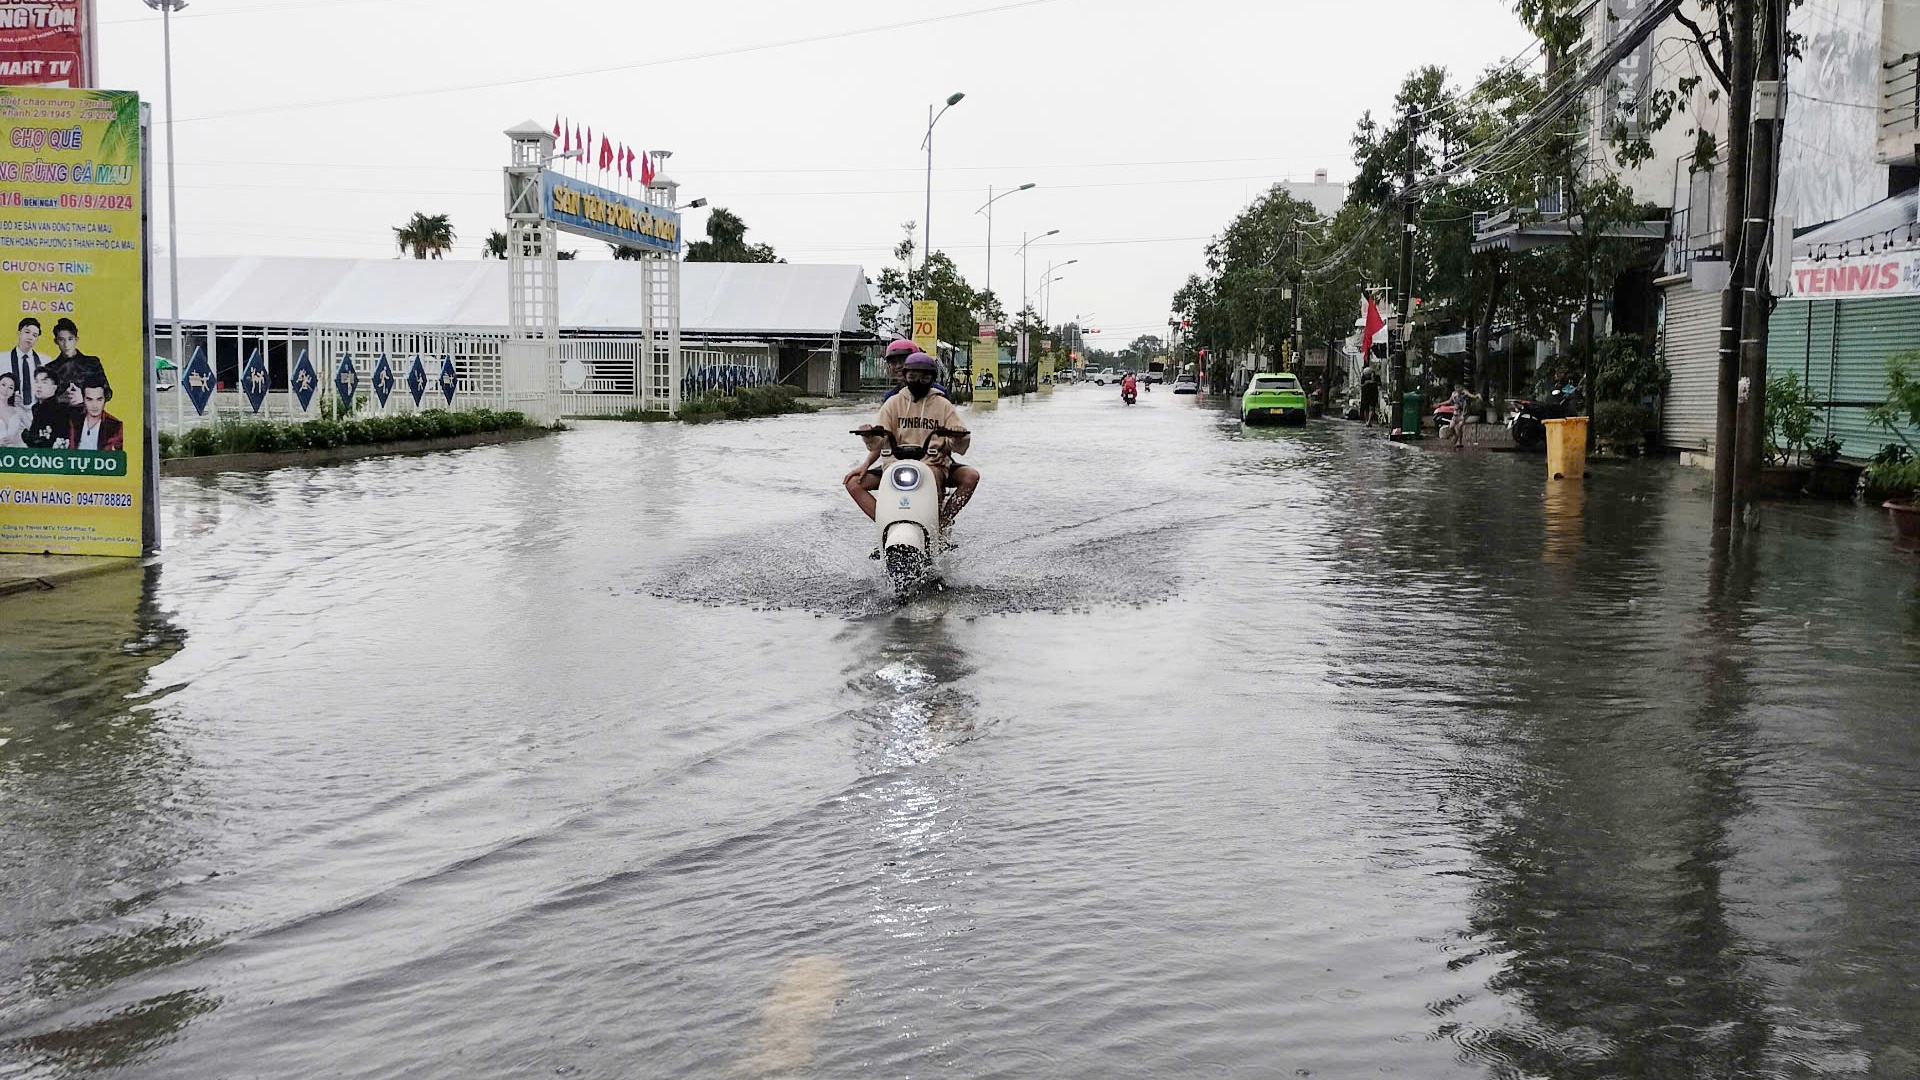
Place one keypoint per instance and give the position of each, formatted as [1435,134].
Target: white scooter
[907,512]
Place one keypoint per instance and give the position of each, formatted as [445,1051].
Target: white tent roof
[750,299]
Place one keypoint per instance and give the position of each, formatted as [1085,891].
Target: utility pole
[1407,208]
[1769,107]
[1726,412]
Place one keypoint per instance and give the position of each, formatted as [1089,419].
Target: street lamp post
[166,8]
[987,208]
[1024,244]
[926,227]
[1047,281]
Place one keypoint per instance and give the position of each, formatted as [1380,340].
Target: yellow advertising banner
[73,383]
[926,326]
[986,368]
[1045,374]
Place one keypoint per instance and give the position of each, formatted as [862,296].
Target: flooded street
[1275,753]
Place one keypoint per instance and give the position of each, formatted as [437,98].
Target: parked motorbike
[907,514]
[1528,423]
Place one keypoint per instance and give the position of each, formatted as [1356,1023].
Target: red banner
[46,43]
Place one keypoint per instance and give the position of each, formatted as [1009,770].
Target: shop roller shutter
[1690,344]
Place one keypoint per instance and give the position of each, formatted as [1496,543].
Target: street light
[166,8]
[1024,243]
[987,208]
[1051,267]
[926,227]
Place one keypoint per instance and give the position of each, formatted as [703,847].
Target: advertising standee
[74,385]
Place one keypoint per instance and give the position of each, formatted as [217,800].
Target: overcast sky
[311,127]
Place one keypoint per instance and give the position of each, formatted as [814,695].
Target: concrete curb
[218,463]
[41,573]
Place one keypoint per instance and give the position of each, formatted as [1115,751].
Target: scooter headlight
[905,478]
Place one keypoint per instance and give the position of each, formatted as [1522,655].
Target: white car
[1186,384]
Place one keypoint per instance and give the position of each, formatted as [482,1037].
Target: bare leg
[965,479]
[862,488]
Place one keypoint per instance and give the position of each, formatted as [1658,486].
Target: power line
[742,50]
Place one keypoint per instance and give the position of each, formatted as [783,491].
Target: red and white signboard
[1892,273]
[46,43]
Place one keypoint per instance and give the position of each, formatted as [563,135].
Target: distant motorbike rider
[1129,387]
[911,417]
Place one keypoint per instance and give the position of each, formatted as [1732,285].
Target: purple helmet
[922,362]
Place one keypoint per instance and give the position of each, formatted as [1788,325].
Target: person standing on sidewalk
[1457,427]
[1369,393]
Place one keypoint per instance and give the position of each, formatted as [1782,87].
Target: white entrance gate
[540,204]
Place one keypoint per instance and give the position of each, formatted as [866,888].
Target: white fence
[619,374]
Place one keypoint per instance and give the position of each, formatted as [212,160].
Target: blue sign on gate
[449,379]
[304,382]
[382,379]
[253,380]
[607,215]
[417,380]
[197,377]
[347,381]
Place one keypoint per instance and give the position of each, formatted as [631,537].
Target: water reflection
[88,773]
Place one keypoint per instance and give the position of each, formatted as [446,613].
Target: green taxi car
[1274,396]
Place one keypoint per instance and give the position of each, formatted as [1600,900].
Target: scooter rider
[897,354]
[1129,386]
[911,417]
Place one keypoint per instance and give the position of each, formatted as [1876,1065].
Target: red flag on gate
[626,165]
[606,154]
[556,129]
[646,167]
[567,138]
[578,143]
[1374,324]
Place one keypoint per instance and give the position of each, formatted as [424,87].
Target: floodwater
[1261,754]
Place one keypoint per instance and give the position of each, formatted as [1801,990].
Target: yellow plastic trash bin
[1567,448]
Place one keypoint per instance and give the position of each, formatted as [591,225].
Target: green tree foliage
[962,307]
[425,236]
[496,245]
[624,253]
[727,242]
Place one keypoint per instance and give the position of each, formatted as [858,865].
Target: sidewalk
[1479,437]
[34,573]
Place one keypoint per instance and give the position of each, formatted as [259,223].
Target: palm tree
[624,253]
[426,236]
[727,242]
[496,245]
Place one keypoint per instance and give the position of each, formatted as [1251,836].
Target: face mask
[918,391]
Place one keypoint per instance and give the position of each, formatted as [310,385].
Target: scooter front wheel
[907,567]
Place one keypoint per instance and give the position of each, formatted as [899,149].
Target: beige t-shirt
[912,422]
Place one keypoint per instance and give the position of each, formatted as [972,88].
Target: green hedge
[746,403]
[273,436]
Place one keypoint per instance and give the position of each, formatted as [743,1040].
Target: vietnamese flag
[565,134]
[1373,325]
[606,154]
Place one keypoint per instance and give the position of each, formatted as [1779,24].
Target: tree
[962,308]
[496,246]
[566,256]
[425,236]
[727,242]
[624,253]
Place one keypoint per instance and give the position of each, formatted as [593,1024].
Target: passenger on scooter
[912,417]
[897,354]
[1129,387]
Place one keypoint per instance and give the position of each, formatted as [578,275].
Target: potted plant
[1832,477]
[1902,408]
[1789,420]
